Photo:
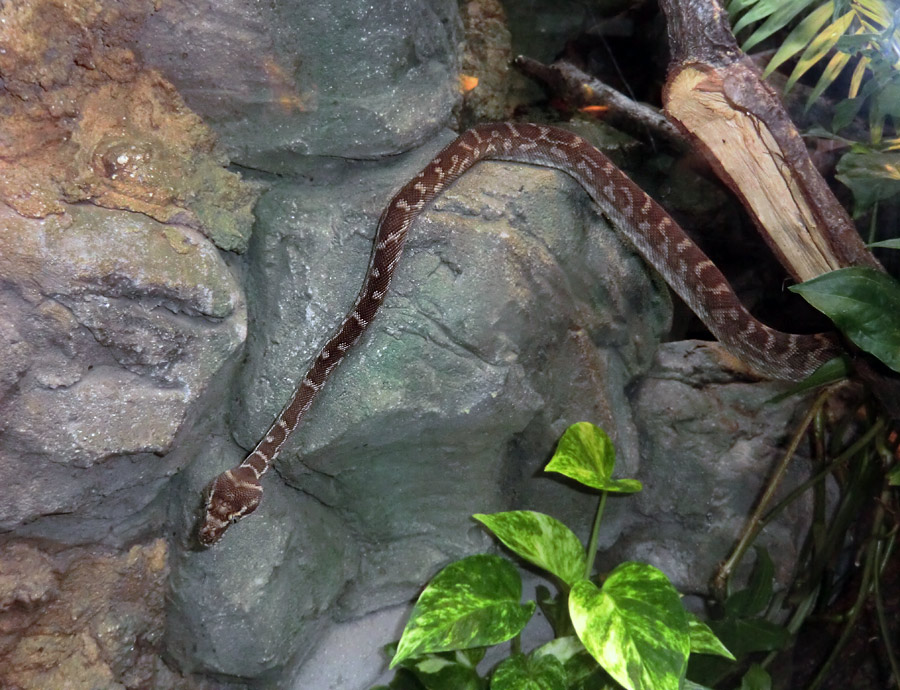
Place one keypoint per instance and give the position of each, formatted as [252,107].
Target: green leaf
[541,540]
[893,243]
[894,476]
[756,597]
[586,454]
[562,648]
[471,603]
[800,37]
[845,112]
[555,609]
[444,671]
[871,177]
[756,678]
[635,627]
[783,13]
[865,305]
[691,685]
[745,636]
[704,640]
[520,672]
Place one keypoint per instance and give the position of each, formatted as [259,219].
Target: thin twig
[754,524]
[581,89]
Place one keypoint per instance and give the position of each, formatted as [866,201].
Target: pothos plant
[625,629]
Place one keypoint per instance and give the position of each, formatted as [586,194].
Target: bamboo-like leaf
[875,10]
[736,7]
[835,65]
[541,540]
[858,73]
[833,370]
[893,243]
[876,120]
[635,627]
[800,37]
[819,47]
[777,20]
[473,602]
[767,8]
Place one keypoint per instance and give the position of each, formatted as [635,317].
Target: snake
[654,234]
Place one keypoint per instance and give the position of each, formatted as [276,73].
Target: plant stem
[753,526]
[595,533]
[870,570]
[883,555]
[858,445]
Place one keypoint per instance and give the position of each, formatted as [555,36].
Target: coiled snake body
[657,237]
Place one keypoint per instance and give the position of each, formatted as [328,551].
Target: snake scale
[648,227]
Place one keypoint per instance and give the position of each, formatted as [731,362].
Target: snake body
[649,228]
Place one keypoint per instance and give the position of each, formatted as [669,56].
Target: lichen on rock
[83,120]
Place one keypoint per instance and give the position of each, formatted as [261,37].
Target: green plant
[861,33]
[628,629]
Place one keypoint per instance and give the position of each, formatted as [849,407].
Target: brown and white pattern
[656,236]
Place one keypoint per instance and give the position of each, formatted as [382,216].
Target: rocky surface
[85,120]
[492,340]
[113,325]
[83,618]
[279,81]
[122,390]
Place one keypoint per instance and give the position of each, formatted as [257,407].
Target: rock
[85,121]
[709,441]
[114,326]
[82,618]
[515,312]
[278,81]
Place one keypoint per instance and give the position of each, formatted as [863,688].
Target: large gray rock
[515,312]
[113,325]
[288,79]
[709,441]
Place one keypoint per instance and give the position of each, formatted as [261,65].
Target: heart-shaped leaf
[473,602]
[635,627]
[541,540]
[586,454]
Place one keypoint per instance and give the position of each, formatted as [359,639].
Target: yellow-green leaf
[541,540]
[819,47]
[800,37]
[586,454]
[635,627]
[473,602]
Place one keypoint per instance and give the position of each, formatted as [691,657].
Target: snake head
[231,496]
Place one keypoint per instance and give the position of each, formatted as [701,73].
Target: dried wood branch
[581,89]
